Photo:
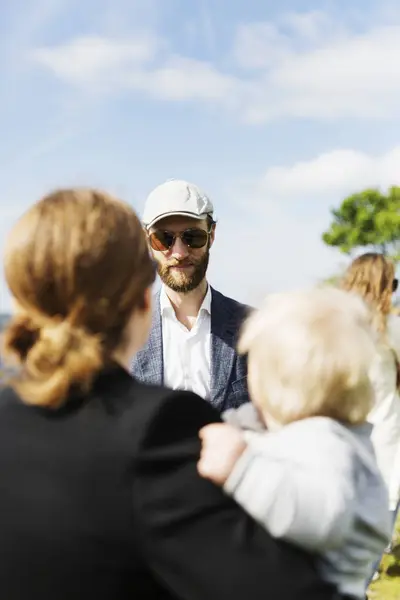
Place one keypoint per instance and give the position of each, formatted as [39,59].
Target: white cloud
[263,45]
[278,244]
[346,75]
[88,59]
[332,174]
[357,76]
[303,65]
[93,62]
[185,79]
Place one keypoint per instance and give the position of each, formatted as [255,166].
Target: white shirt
[187,354]
[385,415]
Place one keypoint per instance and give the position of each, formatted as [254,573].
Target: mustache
[180,263]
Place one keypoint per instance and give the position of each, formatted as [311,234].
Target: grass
[387,587]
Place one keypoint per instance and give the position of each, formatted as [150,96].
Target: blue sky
[277,110]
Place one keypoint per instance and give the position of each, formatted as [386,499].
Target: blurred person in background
[372,277]
[100,495]
[192,344]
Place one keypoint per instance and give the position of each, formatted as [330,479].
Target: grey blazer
[228,369]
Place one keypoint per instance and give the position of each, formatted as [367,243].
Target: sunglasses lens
[161,240]
[195,238]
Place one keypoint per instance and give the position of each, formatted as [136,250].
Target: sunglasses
[164,240]
[395,284]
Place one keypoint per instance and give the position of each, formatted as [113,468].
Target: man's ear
[212,234]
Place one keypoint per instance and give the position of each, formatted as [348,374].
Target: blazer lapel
[222,348]
[150,359]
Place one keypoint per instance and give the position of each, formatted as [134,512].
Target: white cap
[176,197]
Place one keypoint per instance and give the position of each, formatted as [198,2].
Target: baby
[312,478]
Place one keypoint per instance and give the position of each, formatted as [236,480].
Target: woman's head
[372,276]
[309,354]
[78,267]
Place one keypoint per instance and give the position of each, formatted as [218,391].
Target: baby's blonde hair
[309,355]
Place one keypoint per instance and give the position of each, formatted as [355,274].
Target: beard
[183,282]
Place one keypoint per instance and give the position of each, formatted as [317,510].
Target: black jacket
[101,500]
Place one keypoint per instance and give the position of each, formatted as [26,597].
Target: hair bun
[57,356]
[57,342]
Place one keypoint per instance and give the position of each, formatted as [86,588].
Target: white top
[385,416]
[187,354]
[316,483]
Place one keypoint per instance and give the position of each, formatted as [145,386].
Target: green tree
[368,219]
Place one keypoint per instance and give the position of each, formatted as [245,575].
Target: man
[192,345]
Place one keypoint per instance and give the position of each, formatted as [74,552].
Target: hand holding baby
[222,445]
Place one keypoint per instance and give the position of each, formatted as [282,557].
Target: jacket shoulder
[234,306]
[149,399]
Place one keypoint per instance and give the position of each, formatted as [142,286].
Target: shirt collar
[207,301]
[166,306]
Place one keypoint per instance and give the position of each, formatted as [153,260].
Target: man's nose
[179,250]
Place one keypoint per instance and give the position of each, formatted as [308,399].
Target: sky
[277,111]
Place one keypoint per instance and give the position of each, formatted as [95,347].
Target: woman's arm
[196,540]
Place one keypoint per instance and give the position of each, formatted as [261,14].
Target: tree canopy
[367,219]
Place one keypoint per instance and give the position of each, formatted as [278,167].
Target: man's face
[181,267]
